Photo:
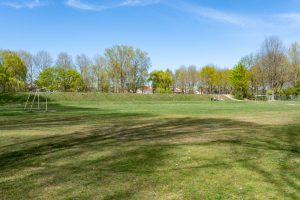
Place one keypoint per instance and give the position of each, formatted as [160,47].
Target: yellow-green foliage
[239,81]
[12,72]
[60,79]
[161,81]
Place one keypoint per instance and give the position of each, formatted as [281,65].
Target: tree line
[274,70]
[121,69]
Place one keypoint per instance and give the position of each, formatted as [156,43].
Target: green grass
[93,146]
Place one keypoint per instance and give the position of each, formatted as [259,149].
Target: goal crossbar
[36,95]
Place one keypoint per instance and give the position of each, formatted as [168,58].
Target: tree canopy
[239,81]
[12,72]
[60,79]
[161,81]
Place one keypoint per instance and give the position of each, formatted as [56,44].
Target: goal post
[266,97]
[26,104]
[35,97]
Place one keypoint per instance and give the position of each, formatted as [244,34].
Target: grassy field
[93,146]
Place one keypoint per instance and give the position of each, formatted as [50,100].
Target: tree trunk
[98,82]
[273,94]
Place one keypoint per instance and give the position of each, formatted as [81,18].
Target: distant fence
[286,98]
[278,98]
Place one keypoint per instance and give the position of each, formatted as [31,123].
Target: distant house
[185,91]
[145,90]
[177,91]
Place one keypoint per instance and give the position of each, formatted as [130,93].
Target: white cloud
[22,4]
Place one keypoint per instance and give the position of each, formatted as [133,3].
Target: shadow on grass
[13,98]
[58,115]
[139,146]
[283,139]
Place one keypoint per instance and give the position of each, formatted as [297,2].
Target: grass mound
[10,98]
[60,96]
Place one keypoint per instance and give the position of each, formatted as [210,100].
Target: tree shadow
[58,115]
[283,139]
[140,146]
[13,98]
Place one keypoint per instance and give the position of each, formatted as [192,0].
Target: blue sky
[173,32]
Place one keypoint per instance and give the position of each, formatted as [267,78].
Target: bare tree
[42,60]
[137,74]
[118,62]
[273,62]
[294,58]
[84,63]
[256,73]
[208,79]
[99,71]
[64,60]
[181,78]
[192,77]
[224,82]
[27,59]
[248,61]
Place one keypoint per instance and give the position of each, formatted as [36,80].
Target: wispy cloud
[290,17]
[191,9]
[22,4]
[139,2]
[209,13]
[83,5]
[196,10]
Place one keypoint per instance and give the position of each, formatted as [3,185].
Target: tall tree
[273,61]
[294,58]
[248,61]
[222,82]
[161,81]
[138,70]
[64,60]
[208,78]
[181,78]
[192,78]
[42,60]
[84,64]
[256,80]
[12,72]
[239,81]
[255,72]
[27,59]
[118,61]
[99,73]
[127,68]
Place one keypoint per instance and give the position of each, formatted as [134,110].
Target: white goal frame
[35,94]
[268,97]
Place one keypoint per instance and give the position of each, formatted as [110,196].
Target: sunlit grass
[184,148]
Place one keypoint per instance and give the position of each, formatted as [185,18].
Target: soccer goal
[35,97]
[263,98]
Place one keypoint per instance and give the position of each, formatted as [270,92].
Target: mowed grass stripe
[91,148]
